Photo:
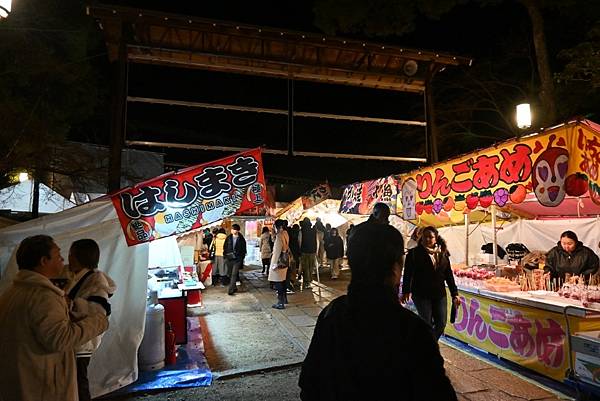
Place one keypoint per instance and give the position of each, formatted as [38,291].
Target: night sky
[470,31]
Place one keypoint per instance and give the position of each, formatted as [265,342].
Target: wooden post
[118,124]
[290,120]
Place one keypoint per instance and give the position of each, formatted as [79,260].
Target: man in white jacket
[37,336]
[89,290]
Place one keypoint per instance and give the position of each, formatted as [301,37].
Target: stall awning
[552,173]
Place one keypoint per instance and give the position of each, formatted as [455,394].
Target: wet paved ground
[473,378]
[254,350]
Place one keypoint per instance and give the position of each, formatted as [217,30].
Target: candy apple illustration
[448,203]
[459,203]
[428,207]
[472,200]
[576,184]
[485,199]
[419,208]
[517,193]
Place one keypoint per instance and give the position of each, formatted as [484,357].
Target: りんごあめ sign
[191,198]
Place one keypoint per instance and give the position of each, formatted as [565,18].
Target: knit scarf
[436,255]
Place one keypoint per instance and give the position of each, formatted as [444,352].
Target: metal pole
[467,239]
[493,209]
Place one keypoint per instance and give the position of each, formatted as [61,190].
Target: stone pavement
[473,378]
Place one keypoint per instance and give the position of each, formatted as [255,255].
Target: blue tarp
[190,370]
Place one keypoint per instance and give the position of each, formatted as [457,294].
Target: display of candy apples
[584,293]
[475,273]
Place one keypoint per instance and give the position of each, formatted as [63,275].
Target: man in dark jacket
[404,361]
[308,250]
[234,250]
[379,215]
[334,247]
[294,232]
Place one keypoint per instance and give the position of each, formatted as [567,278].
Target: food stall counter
[528,328]
[542,300]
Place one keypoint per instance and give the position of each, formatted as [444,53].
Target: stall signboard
[533,338]
[191,198]
[564,160]
[360,197]
[292,212]
[585,159]
[316,195]
[262,210]
[295,209]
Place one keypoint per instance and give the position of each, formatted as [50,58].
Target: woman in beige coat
[265,249]
[219,271]
[277,272]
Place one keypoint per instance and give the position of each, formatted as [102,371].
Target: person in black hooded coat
[365,345]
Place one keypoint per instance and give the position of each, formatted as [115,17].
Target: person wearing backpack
[280,261]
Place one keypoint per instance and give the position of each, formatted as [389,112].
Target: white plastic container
[151,354]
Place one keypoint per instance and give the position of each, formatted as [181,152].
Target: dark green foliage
[49,84]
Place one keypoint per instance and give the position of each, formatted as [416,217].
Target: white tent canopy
[534,234]
[114,364]
[19,198]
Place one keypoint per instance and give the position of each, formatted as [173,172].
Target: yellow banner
[585,159]
[495,175]
[533,338]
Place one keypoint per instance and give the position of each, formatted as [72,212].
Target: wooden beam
[275,151]
[272,111]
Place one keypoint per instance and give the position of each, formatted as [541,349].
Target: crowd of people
[49,332]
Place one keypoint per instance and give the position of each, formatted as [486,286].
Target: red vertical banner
[191,198]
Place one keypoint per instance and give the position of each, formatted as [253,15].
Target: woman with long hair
[426,271]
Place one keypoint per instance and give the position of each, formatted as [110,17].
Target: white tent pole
[493,209]
[467,239]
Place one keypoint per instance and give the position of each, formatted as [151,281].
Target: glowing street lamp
[5,8]
[23,177]
[523,116]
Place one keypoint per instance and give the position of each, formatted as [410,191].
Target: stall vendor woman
[571,256]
